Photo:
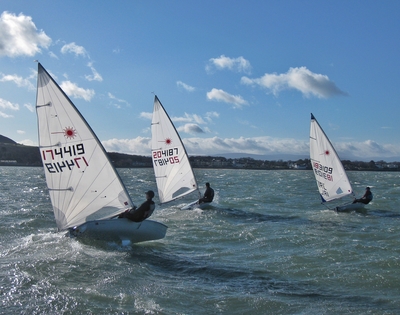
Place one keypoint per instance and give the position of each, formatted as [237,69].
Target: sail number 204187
[165,157]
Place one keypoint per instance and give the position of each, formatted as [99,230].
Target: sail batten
[172,169]
[329,172]
[73,156]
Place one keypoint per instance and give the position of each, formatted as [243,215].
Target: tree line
[21,155]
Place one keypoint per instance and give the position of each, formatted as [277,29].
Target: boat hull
[351,207]
[196,205]
[121,230]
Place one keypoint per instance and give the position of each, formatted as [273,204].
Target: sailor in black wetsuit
[366,198]
[208,194]
[143,212]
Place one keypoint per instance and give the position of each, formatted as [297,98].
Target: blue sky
[234,76]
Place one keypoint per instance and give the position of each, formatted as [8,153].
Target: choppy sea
[266,246]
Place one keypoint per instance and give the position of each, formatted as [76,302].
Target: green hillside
[12,153]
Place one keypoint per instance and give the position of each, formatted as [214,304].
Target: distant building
[298,166]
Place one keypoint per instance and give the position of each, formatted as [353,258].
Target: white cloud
[185,86]
[8,105]
[192,122]
[4,115]
[367,149]
[19,81]
[146,115]
[146,130]
[95,76]
[137,146]
[21,132]
[28,142]
[189,118]
[256,145]
[247,123]
[210,115]
[73,90]
[30,107]
[53,55]
[121,101]
[301,79]
[235,64]
[268,146]
[190,129]
[186,118]
[214,145]
[75,49]
[222,96]
[20,37]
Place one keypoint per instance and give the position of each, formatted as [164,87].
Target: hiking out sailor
[144,211]
[366,198]
[208,194]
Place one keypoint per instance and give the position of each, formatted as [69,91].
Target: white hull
[351,207]
[196,205]
[122,230]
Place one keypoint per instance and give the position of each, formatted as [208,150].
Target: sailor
[366,198]
[143,212]
[208,194]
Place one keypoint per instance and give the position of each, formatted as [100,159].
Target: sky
[234,76]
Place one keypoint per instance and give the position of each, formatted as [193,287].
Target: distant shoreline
[13,154]
[233,168]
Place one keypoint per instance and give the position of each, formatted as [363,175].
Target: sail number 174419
[59,159]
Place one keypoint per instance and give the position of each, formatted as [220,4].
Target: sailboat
[174,174]
[86,192]
[329,172]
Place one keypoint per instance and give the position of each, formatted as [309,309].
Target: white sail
[329,172]
[172,169]
[83,184]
